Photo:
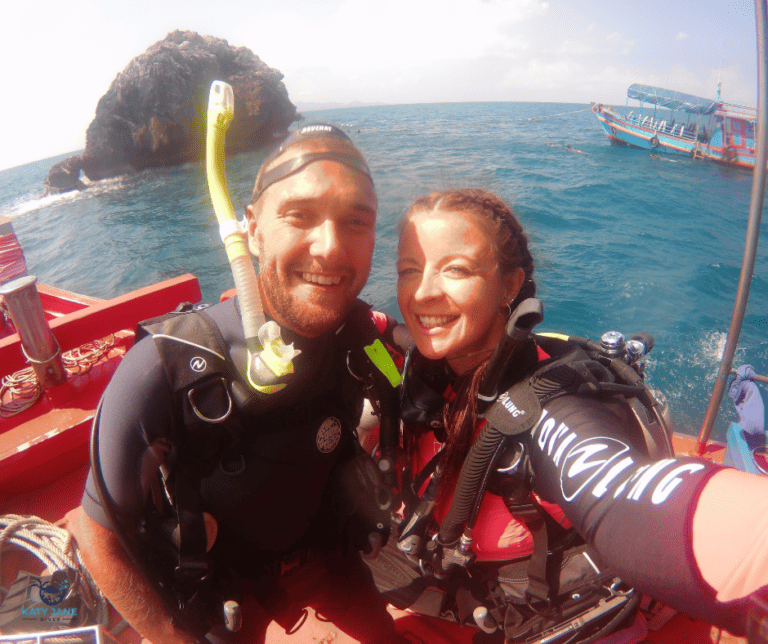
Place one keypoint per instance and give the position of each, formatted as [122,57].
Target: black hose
[753,229]
[475,509]
[467,494]
[470,479]
[389,425]
[527,315]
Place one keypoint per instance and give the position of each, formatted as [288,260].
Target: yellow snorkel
[269,358]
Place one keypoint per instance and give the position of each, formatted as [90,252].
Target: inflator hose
[472,476]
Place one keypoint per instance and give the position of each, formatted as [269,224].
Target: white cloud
[360,36]
[61,58]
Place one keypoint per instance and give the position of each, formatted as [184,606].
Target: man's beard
[309,319]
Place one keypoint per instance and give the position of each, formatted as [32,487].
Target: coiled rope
[57,550]
[20,390]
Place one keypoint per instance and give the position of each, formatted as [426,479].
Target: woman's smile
[435,321]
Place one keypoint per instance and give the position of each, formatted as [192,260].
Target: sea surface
[623,241]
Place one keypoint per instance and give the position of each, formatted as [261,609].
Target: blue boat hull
[647,134]
[738,453]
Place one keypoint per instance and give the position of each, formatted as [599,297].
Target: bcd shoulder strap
[195,358]
[375,367]
[190,345]
[569,370]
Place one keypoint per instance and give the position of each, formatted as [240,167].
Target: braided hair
[496,219]
[510,245]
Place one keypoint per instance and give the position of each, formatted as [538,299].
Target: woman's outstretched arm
[683,530]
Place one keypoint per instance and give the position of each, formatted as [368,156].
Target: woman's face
[449,289]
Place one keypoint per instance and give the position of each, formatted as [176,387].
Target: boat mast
[753,227]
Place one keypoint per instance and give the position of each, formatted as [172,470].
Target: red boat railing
[50,438]
[107,317]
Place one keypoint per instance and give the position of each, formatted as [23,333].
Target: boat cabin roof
[671,99]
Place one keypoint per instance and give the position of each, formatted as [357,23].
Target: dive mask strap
[292,166]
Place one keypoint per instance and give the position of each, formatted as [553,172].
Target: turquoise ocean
[623,241]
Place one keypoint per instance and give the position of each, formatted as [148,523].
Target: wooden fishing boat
[676,123]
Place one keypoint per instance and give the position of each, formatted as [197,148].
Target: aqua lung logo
[586,461]
[603,467]
[197,364]
[510,406]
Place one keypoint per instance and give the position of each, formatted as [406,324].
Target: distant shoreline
[311,107]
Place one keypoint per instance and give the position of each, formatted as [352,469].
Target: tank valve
[612,342]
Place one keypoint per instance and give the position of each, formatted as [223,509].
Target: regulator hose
[484,450]
[471,477]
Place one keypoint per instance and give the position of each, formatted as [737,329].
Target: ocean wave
[30,203]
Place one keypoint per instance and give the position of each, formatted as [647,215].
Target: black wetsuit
[270,496]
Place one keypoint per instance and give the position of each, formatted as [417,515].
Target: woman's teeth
[323,280]
[430,321]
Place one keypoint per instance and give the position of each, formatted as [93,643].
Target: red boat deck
[55,500]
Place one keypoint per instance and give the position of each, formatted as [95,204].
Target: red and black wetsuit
[646,518]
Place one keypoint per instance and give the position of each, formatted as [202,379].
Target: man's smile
[323,280]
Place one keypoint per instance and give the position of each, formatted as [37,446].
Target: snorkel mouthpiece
[274,360]
[269,358]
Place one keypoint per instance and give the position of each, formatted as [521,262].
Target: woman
[685,531]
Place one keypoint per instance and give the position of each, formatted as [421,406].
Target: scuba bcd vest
[219,416]
[546,367]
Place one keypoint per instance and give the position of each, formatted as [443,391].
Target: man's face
[314,235]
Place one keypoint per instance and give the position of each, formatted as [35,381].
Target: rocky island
[153,114]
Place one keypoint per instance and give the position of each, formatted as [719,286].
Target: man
[262,488]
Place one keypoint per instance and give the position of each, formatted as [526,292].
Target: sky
[58,58]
